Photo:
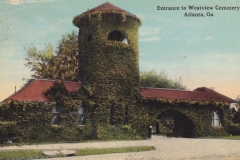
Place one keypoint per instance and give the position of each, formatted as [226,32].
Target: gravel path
[166,149]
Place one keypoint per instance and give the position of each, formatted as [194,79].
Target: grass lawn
[231,137]
[79,152]
[222,137]
[21,154]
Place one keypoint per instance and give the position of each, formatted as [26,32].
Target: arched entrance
[174,123]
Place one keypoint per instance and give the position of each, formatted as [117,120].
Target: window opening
[56,119]
[112,110]
[89,37]
[216,122]
[81,115]
[118,36]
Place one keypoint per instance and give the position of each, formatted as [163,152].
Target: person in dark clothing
[150,132]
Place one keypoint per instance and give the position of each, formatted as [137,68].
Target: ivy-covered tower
[108,60]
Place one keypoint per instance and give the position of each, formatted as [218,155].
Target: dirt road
[166,149]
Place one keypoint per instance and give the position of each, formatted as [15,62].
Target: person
[150,132]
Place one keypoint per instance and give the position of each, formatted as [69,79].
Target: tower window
[118,36]
[89,37]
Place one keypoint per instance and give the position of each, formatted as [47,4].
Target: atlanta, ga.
[190,14]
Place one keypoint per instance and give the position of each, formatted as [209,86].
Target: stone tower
[108,58]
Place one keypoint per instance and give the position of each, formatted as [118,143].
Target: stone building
[109,83]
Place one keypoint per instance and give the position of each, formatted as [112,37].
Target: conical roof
[106,7]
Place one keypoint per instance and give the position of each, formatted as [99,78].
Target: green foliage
[21,154]
[236,116]
[197,116]
[6,128]
[25,112]
[159,80]
[39,61]
[234,129]
[60,96]
[219,131]
[231,137]
[108,132]
[235,112]
[108,68]
[27,122]
[238,100]
[60,64]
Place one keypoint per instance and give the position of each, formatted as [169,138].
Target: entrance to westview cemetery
[173,123]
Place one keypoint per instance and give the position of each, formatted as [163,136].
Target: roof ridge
[166,89]
[43,79]
[52,80]
[199,95]
[103,7]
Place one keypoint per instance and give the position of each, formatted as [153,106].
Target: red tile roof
[199,94]
[72,86]
[35,90]
[106,7]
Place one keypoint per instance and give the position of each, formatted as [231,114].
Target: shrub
[108,132]
[234,129]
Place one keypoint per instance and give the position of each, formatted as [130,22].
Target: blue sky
[202,51]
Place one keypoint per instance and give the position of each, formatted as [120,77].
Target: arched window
[216,122]
[118,36]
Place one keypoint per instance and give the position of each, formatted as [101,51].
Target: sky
[200,51]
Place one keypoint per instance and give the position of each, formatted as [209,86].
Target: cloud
[198,40]
[194,40]
[146,34]
[14,2]
[144,31]
[17,2]
[226,57]
[154,18]
[209,37]
[8,49]
[149,39]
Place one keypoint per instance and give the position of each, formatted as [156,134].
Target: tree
[238,101]
[236,111]
[61,64]
[159,80]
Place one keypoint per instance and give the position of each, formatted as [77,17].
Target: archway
[174,123]
[118,36]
